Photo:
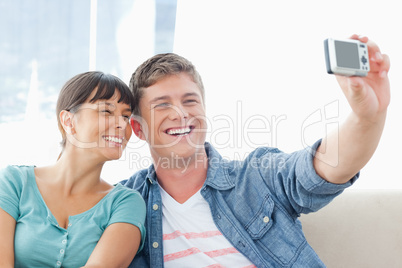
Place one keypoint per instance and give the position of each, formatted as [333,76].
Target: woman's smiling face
[102,126]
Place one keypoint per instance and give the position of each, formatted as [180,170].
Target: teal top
[40,242]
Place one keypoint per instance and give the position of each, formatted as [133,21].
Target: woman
[66,215]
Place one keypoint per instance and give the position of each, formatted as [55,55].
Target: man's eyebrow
[166,97]
[159,98]
[191,94]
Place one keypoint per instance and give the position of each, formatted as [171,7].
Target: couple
[201,211]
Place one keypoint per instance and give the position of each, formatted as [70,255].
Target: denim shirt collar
[151,176]
[217,174]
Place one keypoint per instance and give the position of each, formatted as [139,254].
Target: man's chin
[178,151]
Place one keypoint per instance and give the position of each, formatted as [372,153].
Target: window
[262,63]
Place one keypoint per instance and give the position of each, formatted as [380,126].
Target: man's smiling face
[173,114]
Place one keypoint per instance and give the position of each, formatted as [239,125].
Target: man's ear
[137,126]
[66,120]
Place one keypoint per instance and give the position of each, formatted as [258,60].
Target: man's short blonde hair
[158,67]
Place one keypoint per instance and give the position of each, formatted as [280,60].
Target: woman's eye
[106,111]
[126,118]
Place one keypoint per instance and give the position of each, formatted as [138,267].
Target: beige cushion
[360,228]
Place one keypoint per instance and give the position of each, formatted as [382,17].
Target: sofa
[359,228]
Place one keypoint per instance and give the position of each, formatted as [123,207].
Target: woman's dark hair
[77,90]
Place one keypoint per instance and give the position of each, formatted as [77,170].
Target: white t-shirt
[191,238]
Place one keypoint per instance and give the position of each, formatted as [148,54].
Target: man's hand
[342,154]
[369,96]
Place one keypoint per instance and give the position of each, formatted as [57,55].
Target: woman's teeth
[113,139]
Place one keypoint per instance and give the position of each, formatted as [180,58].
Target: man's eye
[106,111]
[162,105]
[190,101]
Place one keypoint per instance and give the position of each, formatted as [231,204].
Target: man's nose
[177,112]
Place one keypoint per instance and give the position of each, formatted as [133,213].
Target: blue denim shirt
[255,204]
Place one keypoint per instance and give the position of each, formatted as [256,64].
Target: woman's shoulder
[17,168]
[126,203]
[13,181]
[17,173]
[120,193]
[121,190]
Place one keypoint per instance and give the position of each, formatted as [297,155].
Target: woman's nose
[121,121]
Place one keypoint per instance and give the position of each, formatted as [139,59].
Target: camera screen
[347,55]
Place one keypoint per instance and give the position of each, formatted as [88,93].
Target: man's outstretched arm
[342,154]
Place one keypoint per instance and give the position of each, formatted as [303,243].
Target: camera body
[346,57]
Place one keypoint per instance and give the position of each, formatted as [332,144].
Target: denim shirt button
[155,245]
[155,207]
[266,219]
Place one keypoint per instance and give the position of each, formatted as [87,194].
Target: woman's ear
[137,125]
[66,120]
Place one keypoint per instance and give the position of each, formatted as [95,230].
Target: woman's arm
[117,246]
[7,231]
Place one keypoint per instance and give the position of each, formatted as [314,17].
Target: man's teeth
[113,139]
[179,131]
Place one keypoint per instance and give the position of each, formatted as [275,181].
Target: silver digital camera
[346,57]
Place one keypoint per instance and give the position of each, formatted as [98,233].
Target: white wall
[263,66]
[266,58]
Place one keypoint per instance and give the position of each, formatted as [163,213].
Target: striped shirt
[191,238]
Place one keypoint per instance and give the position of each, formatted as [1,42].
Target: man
[203,211]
